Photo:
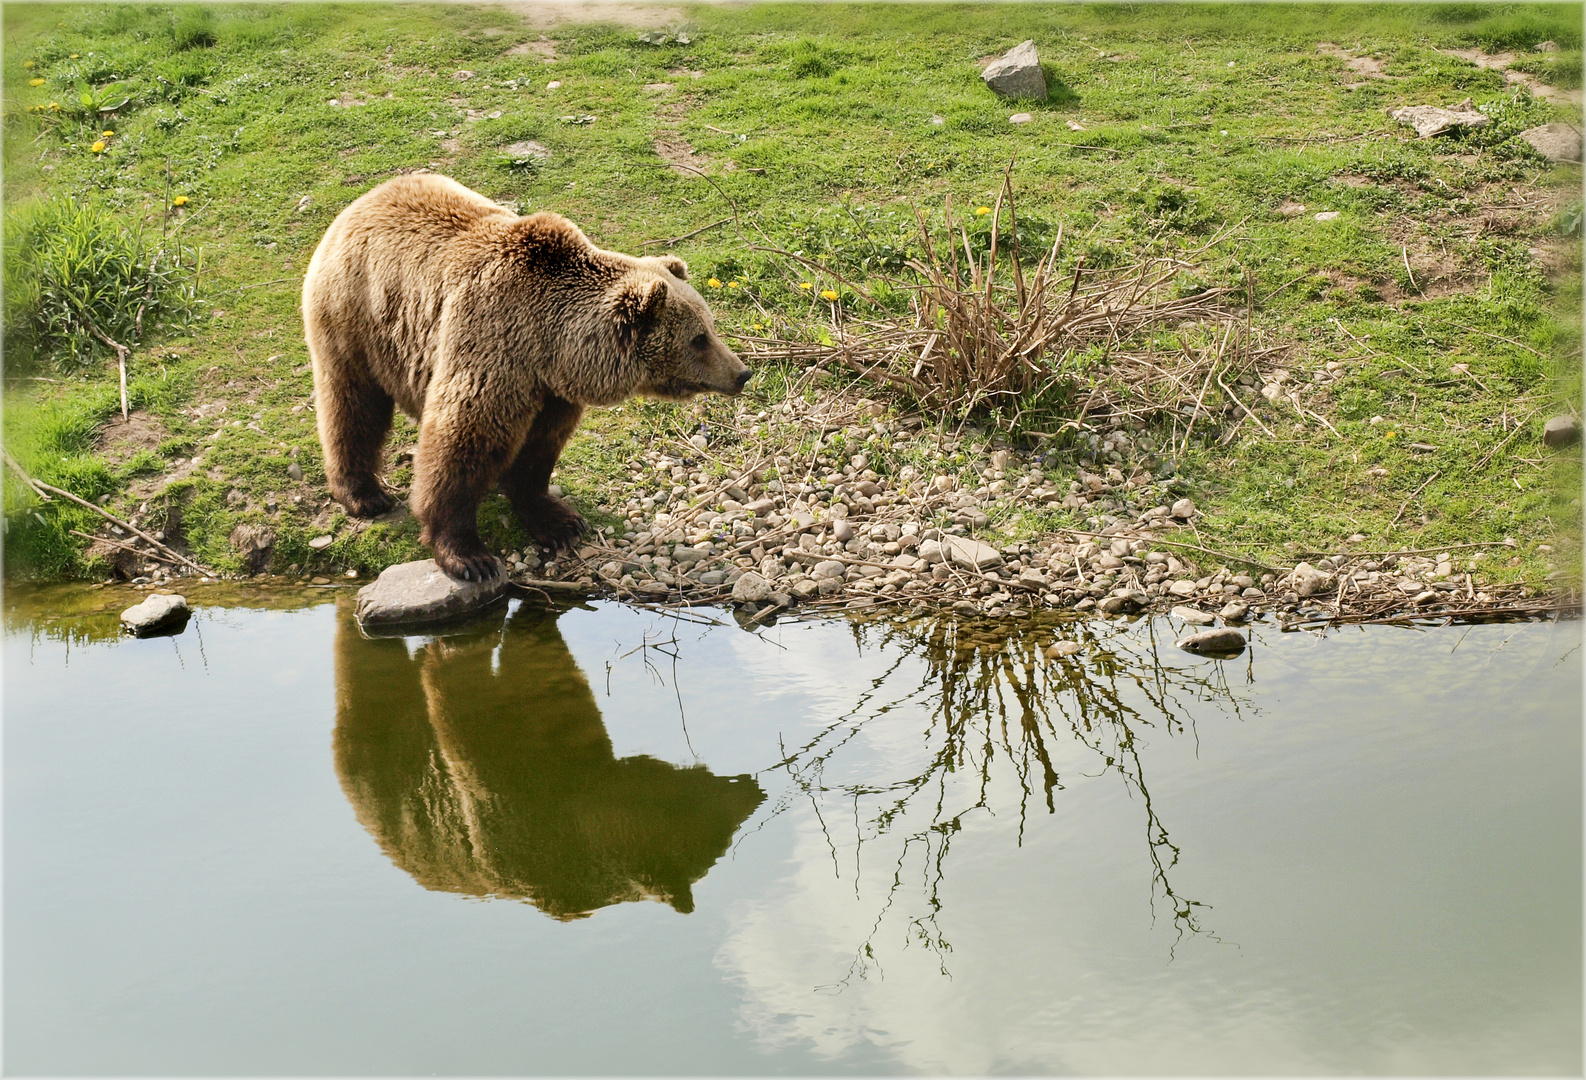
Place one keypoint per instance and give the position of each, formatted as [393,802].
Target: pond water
[604,841]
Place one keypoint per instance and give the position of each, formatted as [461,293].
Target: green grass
[815,124]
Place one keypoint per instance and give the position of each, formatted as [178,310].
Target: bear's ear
[637,304]
[674,266]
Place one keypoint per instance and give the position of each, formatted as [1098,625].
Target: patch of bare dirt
[543,14]
[673,149]
[120,439]
[1368,66]
[1500,62]
[544,48]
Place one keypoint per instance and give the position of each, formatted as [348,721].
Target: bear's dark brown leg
[452,471]
[354,417]
[552,523]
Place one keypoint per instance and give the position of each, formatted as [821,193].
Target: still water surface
[605,842]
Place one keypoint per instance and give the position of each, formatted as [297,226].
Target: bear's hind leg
[553,524]
[354,417]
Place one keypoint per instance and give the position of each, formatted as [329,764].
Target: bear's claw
[554,525]
[474,566]
[368,505]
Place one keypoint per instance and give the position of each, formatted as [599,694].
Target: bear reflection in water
[480,764]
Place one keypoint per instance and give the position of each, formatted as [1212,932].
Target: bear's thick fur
[494,331]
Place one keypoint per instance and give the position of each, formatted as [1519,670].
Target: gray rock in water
[1017,73]
[1556,142]
[1194,616]
[970,554]
[1064,648]
[1223,642]
[156,616]
[751,589]
[1561,431]
[1235,612]
[1429,120]
[421,592]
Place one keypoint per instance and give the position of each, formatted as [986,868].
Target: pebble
[1234,612]
[1184,509]
[294,470]
[752,588]
[1194,615]
[1064,648]
[1561,431]
[1308,580]
[320,543]
[842,531]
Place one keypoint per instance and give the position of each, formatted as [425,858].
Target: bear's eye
[701,342]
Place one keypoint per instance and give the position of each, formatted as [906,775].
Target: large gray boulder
[158,615]
[1017,73]
[421,592]
[1556,142]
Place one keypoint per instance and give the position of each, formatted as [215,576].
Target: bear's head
[664,325]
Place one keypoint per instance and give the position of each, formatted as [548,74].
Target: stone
[1223,642]
[320,543]
[751,589]
[1020,118]
[1182,588]
[1017,73]
[1234,612]
[968,553]
[421,592]
[942,484]
[999,460]
[1064,648]
[295,471]
[1556,142]
[713,577]
[1194,616]
[831,568]
[1326,215]
[158,615]
[254,543]
[1184,509]
[1429,120]
[976,519]
[805,588]
[1561,431]
[842,531]
[932,551]
[1308,581]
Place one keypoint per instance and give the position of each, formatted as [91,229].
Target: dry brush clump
[983,336]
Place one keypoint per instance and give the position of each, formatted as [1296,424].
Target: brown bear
[494,332]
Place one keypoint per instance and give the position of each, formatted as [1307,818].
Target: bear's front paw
[554,525]
[466,565]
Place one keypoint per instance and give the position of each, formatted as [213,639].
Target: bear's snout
[743,377]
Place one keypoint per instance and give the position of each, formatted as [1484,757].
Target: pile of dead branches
[982,334]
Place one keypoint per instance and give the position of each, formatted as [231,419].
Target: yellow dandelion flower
[713,283]
[27,63]
[732,284]
[827,294]
[72,57]
[981,211]
[805,285]
[106,134]
[180,200]
[98,147]
[757,326]
[55,105]
[1391,435]
[35,82]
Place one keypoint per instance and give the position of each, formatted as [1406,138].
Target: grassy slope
[817,123]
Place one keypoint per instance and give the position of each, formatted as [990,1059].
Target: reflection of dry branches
[991,696]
